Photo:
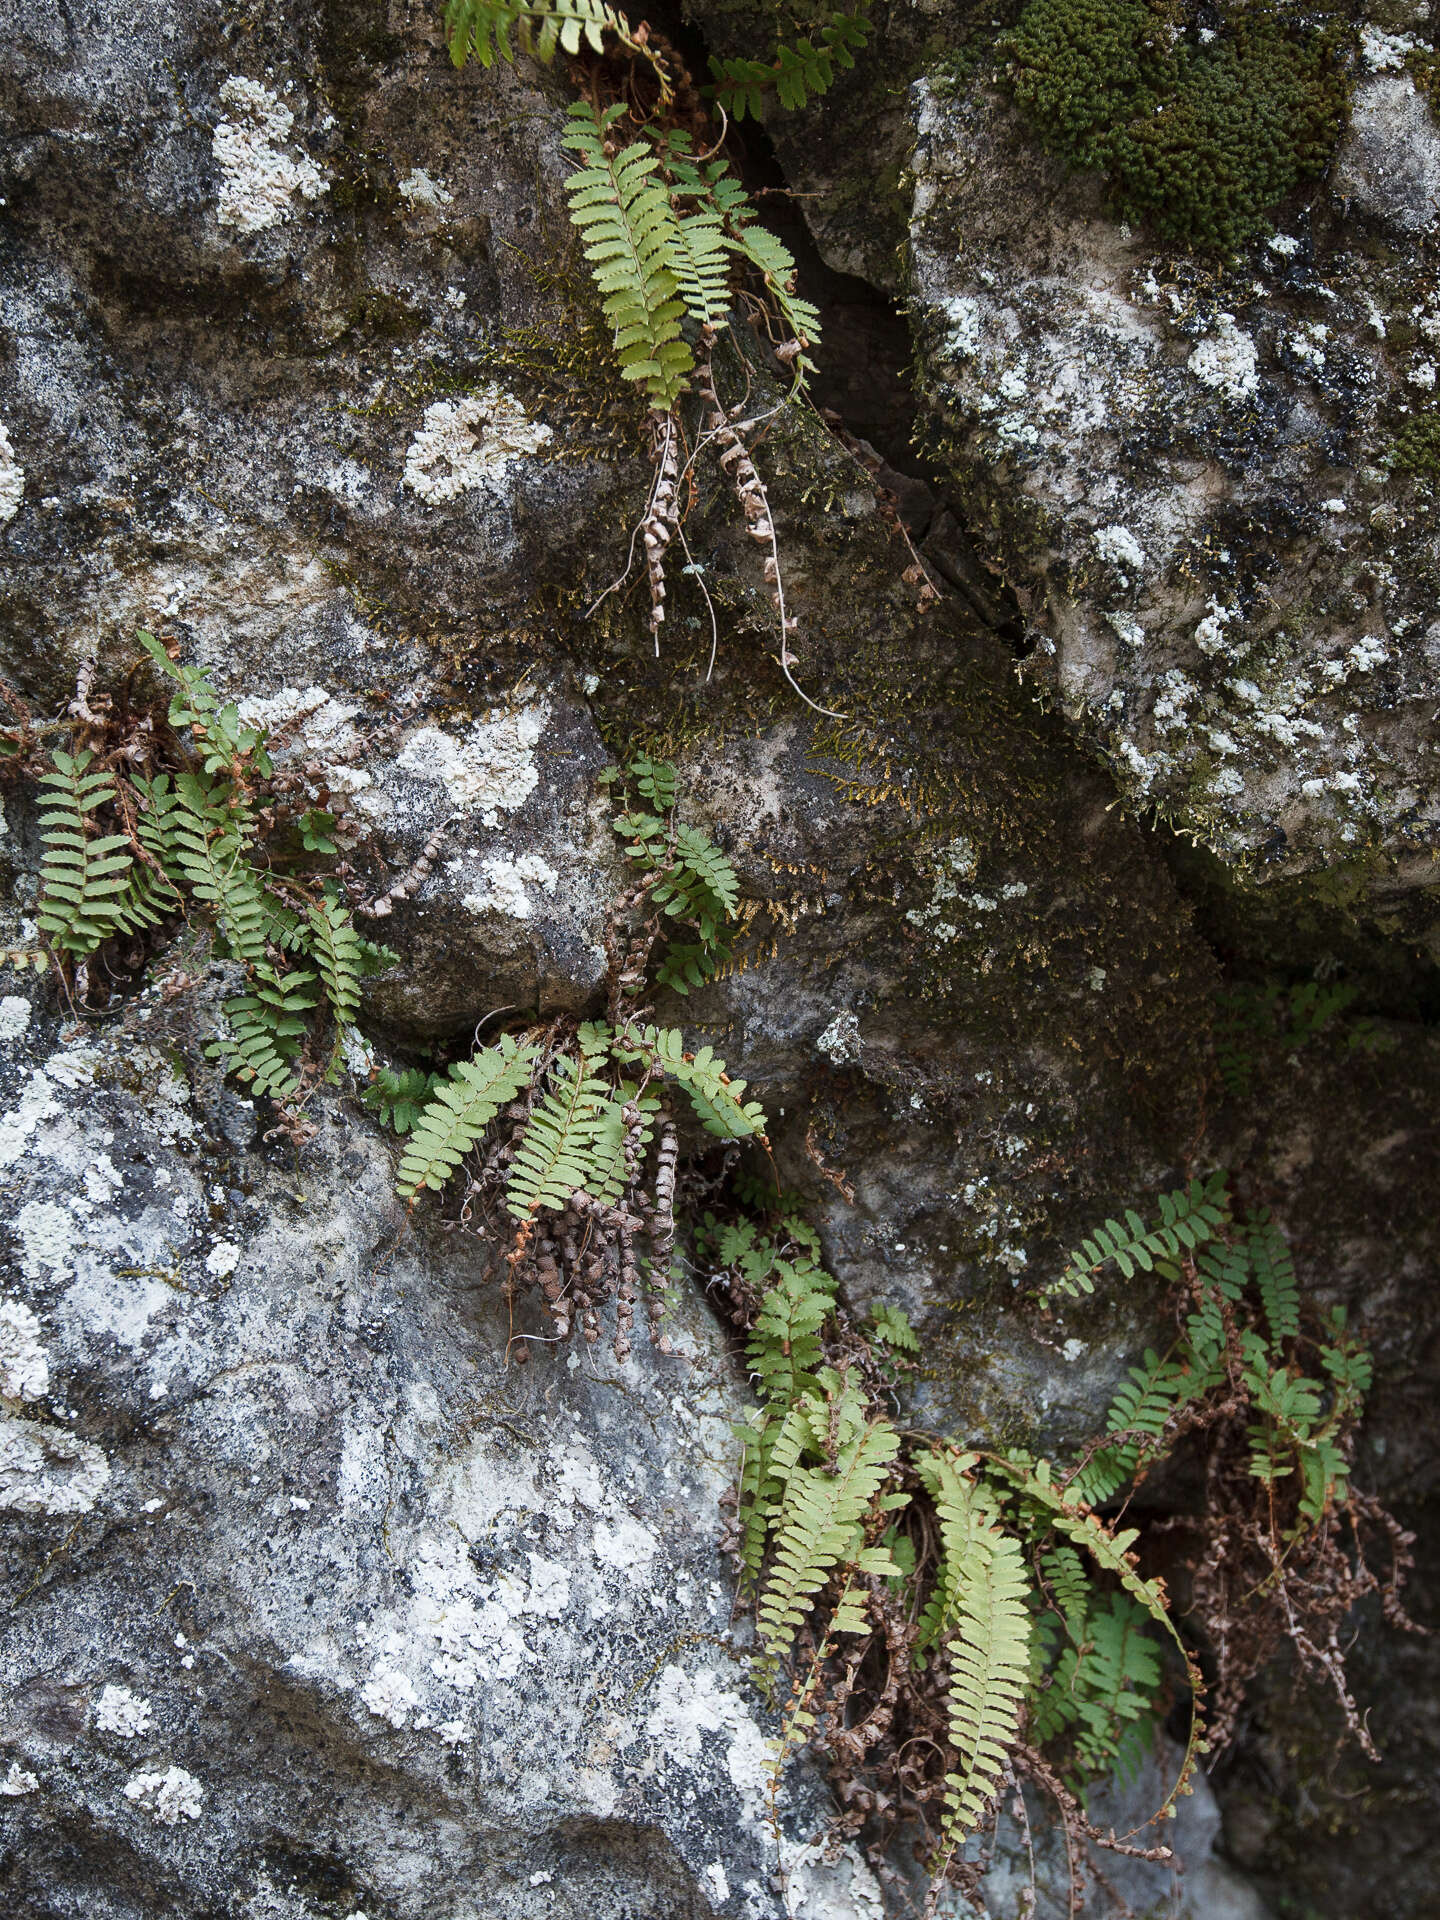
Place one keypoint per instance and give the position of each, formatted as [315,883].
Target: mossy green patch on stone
[1199,132]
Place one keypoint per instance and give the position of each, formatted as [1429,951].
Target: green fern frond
[400,1098]
[892,1327]
[542,28]
[699,258]
[1274,1275]
[631,235]
[85,879]
[784,1348]
[987,1625]
[339,953]
[1140,1412]
[1188,1217]
[265,1030]
[796,74]
[819,1529]
[462,1106]
[1112,1552]
[716,1098]
[569,1139]
[225,746]
[209,843]
[775,264]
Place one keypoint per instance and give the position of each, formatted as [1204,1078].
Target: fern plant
[131,846]
[85,876]
[671,237]
[796,73]
[683,876]
[975,1607]
[633,241]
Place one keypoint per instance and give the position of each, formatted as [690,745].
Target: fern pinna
[164,828]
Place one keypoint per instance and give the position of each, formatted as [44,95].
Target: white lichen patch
[222,1259]
[629,1547]
[472,1624]
[1118,546]
[840,1040]
[12,480]
[1226,361]
[1385,52]
[47,1239]
[321,726]
[390,1696]
[421,190]
[690,1707]
[503,888]
[489,771]
[44,1469]
[17,1782]
[1210,633]
[956,861]
[24,1370]
[168,1796]
[258,179]
[121,1712]
[470,443]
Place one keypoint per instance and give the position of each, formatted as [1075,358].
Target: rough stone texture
[1189,475]
[320,398]
[413,1621]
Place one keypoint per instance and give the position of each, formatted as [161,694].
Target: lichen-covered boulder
[1206,484]
[317,1601]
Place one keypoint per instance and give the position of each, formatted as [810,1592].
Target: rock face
[319,1606]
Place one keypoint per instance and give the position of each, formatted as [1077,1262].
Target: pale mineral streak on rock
[12,479]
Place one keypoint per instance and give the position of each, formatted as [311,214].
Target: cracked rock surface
[318,1607]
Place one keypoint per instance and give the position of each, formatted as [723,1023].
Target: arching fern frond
[1188,1217]
[716,1098]
[209,843]
[819,1529]
[567,1140]
[631,234]
[85,878]
[543,27]
[459,1112]
[796,74]
[1112,1551]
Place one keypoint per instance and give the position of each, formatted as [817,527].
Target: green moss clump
[1199,137]
[1417,447]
